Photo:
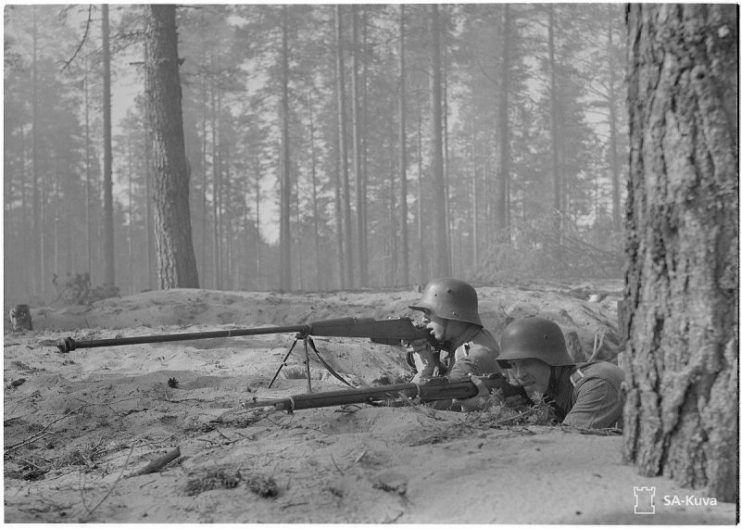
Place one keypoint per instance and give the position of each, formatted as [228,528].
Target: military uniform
[475,354]
[595,399]
[586,395]
[473,350]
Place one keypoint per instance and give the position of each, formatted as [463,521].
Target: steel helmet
[451,299]
[534,337]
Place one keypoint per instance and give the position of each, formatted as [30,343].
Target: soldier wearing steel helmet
[451,313]
[586,395]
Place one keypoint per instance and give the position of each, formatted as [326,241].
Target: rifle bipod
[307,342]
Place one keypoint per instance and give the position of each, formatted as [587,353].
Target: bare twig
[514,417]
[42,433]
[84,38]
[168,399]
[105,497]
[222,435]
[108,405]
[336,465]
[599,339]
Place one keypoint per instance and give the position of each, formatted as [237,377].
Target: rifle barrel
[429,391]
[70,344]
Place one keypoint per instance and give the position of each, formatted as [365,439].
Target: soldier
[587,395]
[451,313]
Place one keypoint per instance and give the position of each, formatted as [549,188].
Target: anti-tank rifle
[389,332]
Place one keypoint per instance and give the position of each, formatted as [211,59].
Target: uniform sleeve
[480,360]
[598,405]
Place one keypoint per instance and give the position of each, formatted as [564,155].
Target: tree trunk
[285,188]
[681,415]
[342,151]
[130,230]
[176,262]
[421,246]
[151,270]
[109,252]
[474,199]
[37,277]
[403,153]
[441,266]
[612,109]
[88,216]
[500,215]
[258,238]
[555,144]
[444,134]
[216,254]
[359,195]
[149,227]
[318,283]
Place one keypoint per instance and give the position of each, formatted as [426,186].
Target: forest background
[525,104]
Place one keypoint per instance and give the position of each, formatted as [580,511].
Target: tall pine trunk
[176,262]
[347,262]
[612,111]
[37,277]
[318,283]
[357,166]
[441,265]
[403,154]
[555,143]
[500,214]
[109,249]
[681,315]
[285,187]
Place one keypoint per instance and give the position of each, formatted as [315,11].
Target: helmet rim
[451,299]
[534,338]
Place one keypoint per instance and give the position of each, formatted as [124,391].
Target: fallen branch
[157,464]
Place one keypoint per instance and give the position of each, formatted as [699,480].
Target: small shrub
[77,290]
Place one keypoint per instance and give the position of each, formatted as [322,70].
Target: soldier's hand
[419,346]
[481,400]
[426,361]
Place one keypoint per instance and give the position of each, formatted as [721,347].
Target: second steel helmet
[451,299]
[534,337]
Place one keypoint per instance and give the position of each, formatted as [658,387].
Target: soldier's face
[435,325]
[532,374]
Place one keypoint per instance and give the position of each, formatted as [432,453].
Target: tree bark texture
[176,262]
[617,216]
[555,143]
[356,147]
[285,186]
[347,263]
[109,271]
[441,266]
[403,153]
[501,225]
[681,415]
